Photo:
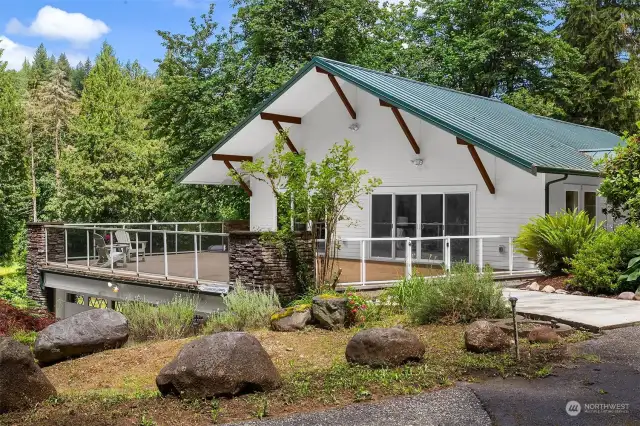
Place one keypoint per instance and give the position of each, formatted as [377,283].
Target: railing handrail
[140,223]
[140,231]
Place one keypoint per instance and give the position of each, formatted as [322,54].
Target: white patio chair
[106,257]
[122,237]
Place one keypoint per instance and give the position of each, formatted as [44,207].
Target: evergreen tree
[40,67]
[110,171]
[63,64]
[606,33]
[79,75]
[13,174]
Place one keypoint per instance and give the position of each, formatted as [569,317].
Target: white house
[451,163]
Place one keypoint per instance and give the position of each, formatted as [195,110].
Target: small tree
[621,183]
[313,193]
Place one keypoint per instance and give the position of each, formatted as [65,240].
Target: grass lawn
[118,386]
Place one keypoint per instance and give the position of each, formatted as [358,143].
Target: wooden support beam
[403,125]
[286,137]
[281,118]
[226,157]
[241,182]
[336,86]
[479,165]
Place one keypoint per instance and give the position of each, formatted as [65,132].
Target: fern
[552,241]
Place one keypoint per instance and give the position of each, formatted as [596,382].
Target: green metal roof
[533,143]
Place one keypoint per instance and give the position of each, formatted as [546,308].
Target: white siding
[382,149]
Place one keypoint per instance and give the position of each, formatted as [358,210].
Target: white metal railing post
[137,256]
[200,237]
[166,261]
[111,250]
[66,251]
[447,254]
[510,255]
[195,252]
[46,246]
[407,272]
[94,246]
[480,255]
[176,239]
[88,250]
[150,239]
[363,265]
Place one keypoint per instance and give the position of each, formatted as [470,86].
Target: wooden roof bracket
[403,125]
[276,119]
[240,181]
[336,86]
[479,164]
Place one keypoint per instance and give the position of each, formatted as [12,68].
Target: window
[590,203]
[420,215]
[572,200]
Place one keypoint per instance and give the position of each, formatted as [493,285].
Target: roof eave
[572,172]
[256,111]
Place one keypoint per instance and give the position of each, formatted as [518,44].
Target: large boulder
[533,286]
[329,312]
[548,289]
[222,364]
[82,334]
[294,318]
[483,336]
[380,347]
[543,335]
[22,383]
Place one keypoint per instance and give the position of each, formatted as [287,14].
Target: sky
[79,27]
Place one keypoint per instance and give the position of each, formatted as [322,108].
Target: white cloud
[57,24]
[15,54]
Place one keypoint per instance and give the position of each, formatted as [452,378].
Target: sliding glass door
[420,215]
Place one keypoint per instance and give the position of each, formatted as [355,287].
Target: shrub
[462,295]
[245,309]
[13,288]
[552,241]
[598,265]
[170,320]
[26,337]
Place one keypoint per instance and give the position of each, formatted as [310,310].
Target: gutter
[546,191]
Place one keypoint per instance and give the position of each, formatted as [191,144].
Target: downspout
[546,191]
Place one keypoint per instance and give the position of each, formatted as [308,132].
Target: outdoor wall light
[355,126]
[417,162]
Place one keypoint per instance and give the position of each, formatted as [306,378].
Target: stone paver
[594,313]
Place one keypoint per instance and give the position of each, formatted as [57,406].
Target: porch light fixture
[417,162]
[355,126]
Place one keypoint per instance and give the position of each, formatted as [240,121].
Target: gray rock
[543,335]
[483,336]
[577,293]
[561,291]
[533,286]
[627,295]
[81,334]
[330,313]
[222,364]
[380,347]
[22,383]
[548,289]
[296,320]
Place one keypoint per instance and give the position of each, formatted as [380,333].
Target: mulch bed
[557,282]
[14,319]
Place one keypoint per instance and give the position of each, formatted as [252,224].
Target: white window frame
[433,190]
[581,189]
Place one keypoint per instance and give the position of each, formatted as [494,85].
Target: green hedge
[598,265]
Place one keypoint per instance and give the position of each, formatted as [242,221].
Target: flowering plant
[356,308]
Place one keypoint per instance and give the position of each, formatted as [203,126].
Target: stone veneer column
[264,265]
[36,255]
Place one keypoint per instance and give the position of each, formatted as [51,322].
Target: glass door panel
[432,225]
[572,200]
[406,222]
[590,203]
[456,211]
[381,224]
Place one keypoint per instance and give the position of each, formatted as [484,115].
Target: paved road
[513,401]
